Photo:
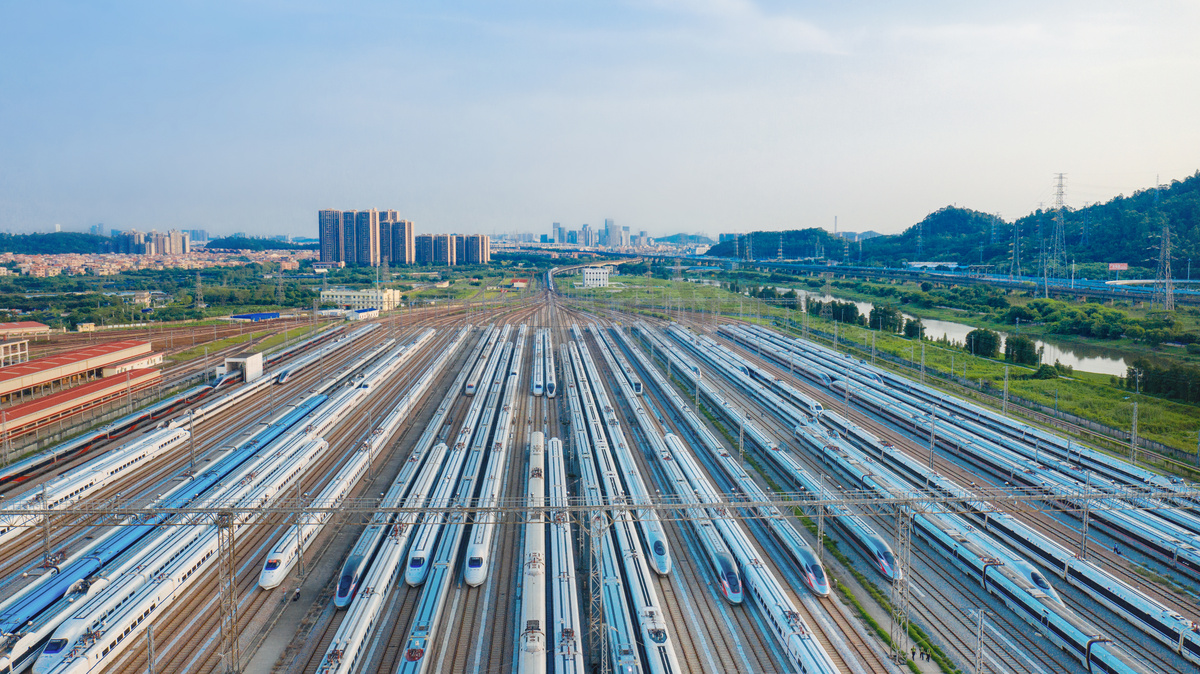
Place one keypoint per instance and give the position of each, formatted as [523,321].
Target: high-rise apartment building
[625,237]
[477,249]
[611,236]
[573,237]
[349,247]
[366,237]
[444,249]
[329,229]
[460,248]
[585,235]
[424,248]
[436,249]
[403,250]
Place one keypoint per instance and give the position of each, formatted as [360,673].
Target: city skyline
[669,117]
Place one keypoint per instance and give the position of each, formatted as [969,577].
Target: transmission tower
[1164,288]
[199,292]
[779,255]
[1015,270]
[227,563]
[279,289]
[920,241]
[900,590]
[992,236]
[1087,216]
[1058,247]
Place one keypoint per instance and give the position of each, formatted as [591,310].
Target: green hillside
[53,244]
[797,243]
[1123,229]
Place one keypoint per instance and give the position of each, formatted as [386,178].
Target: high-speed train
[551,381]
[82,481]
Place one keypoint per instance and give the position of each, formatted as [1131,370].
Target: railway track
[1042,520]
[847,633]
[196,619]
[153,477]
[710,634]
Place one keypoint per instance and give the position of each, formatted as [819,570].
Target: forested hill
[797,243]
[238,243]
[685,239]
[1123,229]
[52,244]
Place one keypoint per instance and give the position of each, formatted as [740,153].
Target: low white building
[384,299]
[595,277]
[362,314]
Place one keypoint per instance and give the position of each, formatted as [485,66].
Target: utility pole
[1087,512]
[932,435]
[227,561]
[1006,389]
[150,649]
[900,587]
[979,641]
[1133,436]
[192,438]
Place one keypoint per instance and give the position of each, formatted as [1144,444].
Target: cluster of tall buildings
[173,242]
[611,236]
[367,238]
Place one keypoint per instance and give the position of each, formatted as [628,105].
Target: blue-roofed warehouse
[254,318]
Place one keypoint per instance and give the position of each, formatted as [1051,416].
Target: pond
[1083,357]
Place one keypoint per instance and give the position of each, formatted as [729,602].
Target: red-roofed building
[66,369]
[18,420]
[23,329]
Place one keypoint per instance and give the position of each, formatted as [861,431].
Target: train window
[272,564]
[1039,580]
[475,562]
[888,557]
[55,646]
[417,562]
[659,548]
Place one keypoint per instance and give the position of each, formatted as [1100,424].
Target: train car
[283,377]
[551,381]
[531,649]
[539,364]
[567,626]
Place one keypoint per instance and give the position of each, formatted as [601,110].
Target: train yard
[544,487]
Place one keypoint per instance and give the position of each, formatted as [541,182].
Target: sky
[668,116]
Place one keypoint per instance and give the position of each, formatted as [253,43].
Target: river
[1083,357]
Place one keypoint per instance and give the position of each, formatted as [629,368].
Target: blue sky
[706,116]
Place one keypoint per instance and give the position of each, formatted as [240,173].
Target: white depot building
[384,299]
[595,277]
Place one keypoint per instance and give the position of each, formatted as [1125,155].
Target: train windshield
[475,562]
[659,548]
[417,562]
[347,578]
[272,564]
[1039,580]
[888,558]
[55,646]
[731,579]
